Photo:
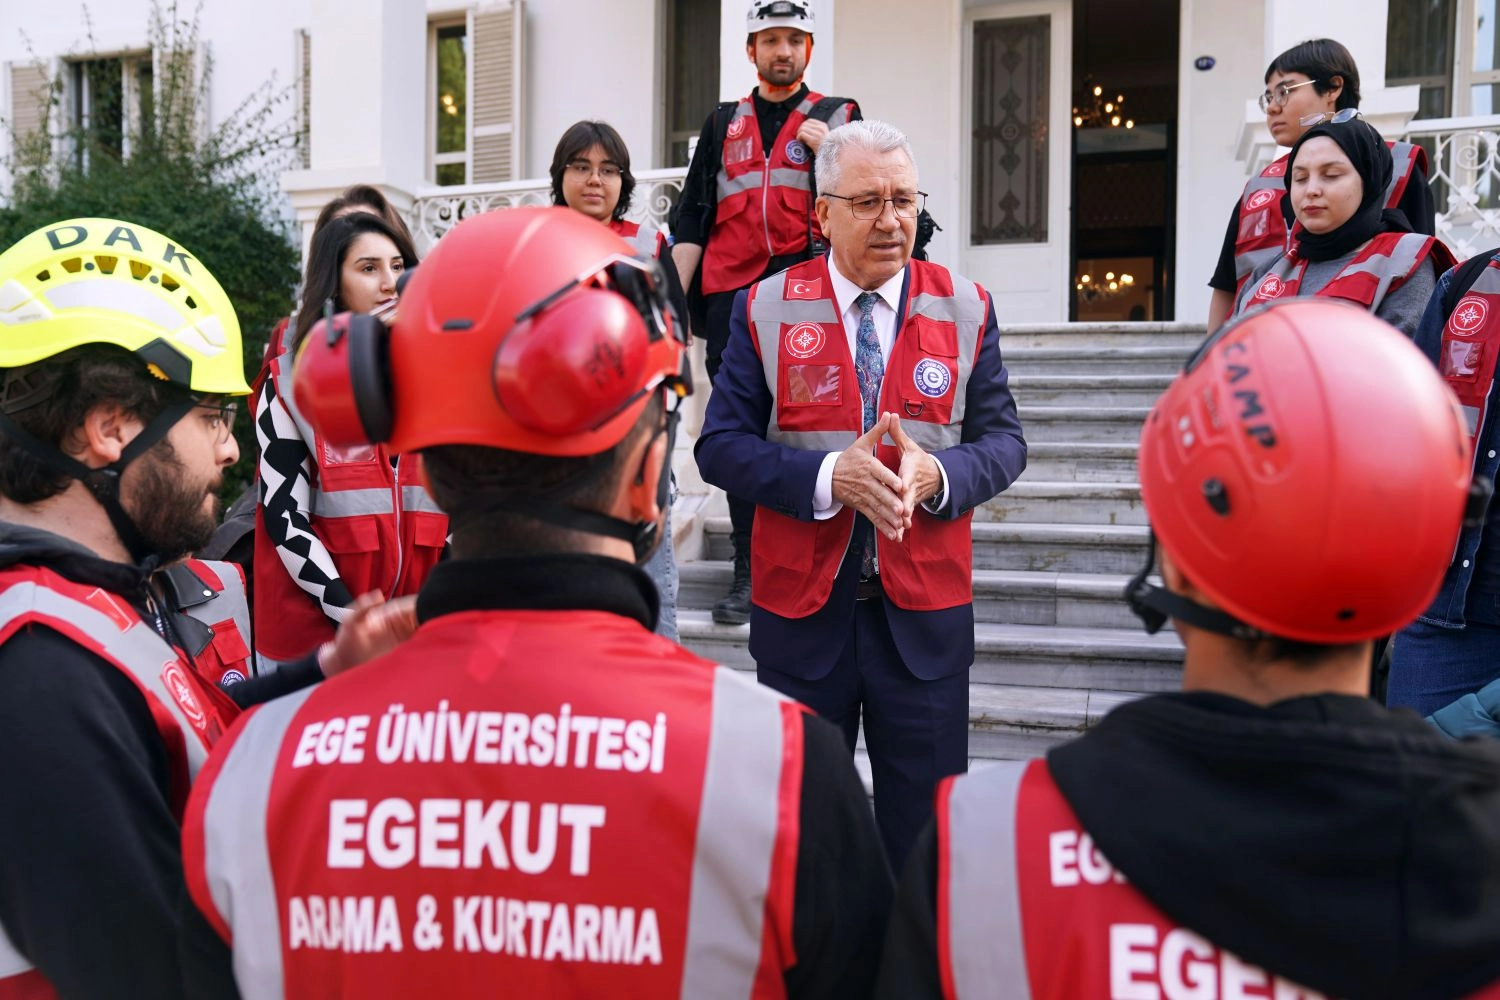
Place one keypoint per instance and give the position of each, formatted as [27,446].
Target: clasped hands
[888,499]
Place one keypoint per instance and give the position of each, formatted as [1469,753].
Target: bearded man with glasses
[1306,85]
[863,406]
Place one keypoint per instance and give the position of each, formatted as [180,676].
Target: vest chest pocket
[229,646]
[1460,360]
[354,543]
[928,386]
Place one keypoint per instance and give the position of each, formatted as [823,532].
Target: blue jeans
[662,568]
[1432,667]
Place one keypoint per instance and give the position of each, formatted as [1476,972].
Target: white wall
[595,63]
[1359,24]
[248,41]
[1211,106]
[914,85]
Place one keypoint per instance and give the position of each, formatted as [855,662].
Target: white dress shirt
[888,298]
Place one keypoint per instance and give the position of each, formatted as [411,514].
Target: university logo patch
[932,378]
[796,152]
[736,128]
[1271,288]
[1260,199]
[1468,315]
[804,340]
[804,288]
[231,677]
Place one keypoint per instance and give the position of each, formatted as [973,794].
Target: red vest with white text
[1262,232]
[190,713]
[453,818]
[1383,265]
[763,203]
[219,602]
[1470,347]
[377,521]
[809,369]
[1029,909]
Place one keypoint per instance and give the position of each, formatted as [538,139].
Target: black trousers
[716,337]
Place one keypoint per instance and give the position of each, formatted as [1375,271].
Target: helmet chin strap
[641,535]
[1153,605]
[104,483]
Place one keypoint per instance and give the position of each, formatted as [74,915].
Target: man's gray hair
[871,136]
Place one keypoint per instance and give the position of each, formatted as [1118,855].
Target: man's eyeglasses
[1279,96]
[221,418]
[1323,117]
[871,206]
[583,168]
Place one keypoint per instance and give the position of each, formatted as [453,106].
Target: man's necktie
[869,367]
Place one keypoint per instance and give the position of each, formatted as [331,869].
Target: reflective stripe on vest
[981,949]
[229,603]
[236,853]
[1470,348]
[1381,267]
[753,746]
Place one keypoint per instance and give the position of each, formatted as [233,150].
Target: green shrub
[211,191]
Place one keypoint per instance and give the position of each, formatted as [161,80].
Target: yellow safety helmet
[104,281]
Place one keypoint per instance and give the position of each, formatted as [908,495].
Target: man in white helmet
[747,205]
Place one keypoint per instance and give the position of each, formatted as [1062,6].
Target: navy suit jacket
[733,453]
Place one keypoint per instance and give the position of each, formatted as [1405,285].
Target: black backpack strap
[1464,277]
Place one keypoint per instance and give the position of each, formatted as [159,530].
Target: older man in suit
[863,406]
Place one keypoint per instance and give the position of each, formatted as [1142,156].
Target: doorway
[1124,157]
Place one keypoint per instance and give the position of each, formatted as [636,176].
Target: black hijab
[1371,157]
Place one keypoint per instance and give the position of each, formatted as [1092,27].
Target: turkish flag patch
[804,288]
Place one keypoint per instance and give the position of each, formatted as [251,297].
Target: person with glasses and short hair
[1305,85]
[863,406]
[591,175]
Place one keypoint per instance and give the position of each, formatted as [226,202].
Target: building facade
[1045,192]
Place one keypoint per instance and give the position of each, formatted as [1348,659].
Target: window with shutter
[496,74]
[30,106]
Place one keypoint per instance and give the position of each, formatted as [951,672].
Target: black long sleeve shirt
[91,877]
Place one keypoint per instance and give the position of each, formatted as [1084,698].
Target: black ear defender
[370,375]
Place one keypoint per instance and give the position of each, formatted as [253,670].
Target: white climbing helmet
[765,14]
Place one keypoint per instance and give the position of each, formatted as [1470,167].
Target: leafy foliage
[146,157]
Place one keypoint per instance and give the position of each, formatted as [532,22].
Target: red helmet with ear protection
[1309,472]
[531,329]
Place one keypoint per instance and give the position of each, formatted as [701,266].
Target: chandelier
[1103,112]
[1090,289]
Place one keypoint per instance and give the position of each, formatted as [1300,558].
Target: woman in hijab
[1345,242]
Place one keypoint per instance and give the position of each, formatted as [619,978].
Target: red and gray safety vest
[1029,907]
[763,203]
[190,712]
[1470,348]
[215,595]
[645,242]
[1383,265]
[375,517]
[1262,233]
[804,352]
[455,817]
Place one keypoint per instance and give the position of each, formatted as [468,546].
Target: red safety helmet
[1309,472]
[531,329]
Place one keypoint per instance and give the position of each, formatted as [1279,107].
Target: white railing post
[1465,174]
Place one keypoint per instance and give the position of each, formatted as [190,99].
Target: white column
[369,94]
